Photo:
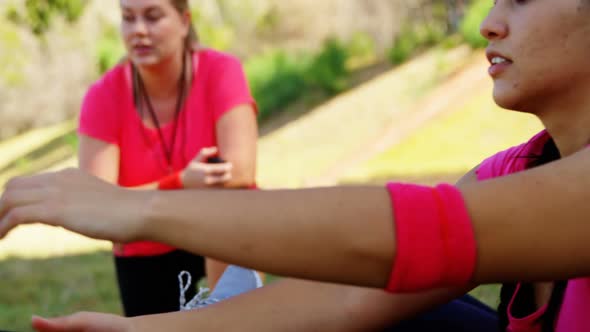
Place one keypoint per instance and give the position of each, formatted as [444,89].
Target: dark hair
[192,39]
[524,303]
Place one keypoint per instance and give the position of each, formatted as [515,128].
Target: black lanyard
[168,151]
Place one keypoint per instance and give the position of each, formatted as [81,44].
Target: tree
[38,15]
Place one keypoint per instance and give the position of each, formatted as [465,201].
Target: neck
[567,119]
[161,80]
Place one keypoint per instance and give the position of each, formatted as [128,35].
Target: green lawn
[55,286]
[453,144]
[36,284]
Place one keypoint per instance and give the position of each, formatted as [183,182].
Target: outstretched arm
[285,306]
[321,233]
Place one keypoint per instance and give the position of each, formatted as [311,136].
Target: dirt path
[447,97]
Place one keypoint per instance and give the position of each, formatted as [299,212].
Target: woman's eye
[153,16]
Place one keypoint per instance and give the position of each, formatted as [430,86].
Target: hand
[76,201]
[199,173]
[83,322]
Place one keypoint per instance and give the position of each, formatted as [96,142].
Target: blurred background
[349,92]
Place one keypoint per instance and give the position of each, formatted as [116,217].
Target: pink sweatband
[171,182]
[435,242]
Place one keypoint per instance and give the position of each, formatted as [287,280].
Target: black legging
[149,285]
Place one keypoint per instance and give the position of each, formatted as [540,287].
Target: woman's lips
[496,69]
[499,63]
[142,50]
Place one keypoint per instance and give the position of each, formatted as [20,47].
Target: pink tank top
[576,302]
[109,114]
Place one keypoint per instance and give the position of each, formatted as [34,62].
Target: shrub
[361,50]
[328,69]
[109,49]
[276,80]
[12,58]
[39,14]
[471,23]
[413,39]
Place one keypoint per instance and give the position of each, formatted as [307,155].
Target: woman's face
[153,30]
[539,50]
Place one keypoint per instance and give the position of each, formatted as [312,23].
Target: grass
[316,142]
[452,144]
[48,271]
[56,286]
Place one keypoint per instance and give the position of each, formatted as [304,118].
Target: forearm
[301,306]
[241,178]
[214,269]
[514,218]
[147,186]
[317,233]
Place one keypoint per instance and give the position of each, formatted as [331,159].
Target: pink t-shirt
[576,303]
[109,114]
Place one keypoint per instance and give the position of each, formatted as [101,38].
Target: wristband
[435,241]
[171,182]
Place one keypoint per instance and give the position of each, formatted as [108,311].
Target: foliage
[470,26]
[38,15]
[278,78]
[109,49]
[361,50]
[413,39]
[328,69]
[217,35]
[12,61]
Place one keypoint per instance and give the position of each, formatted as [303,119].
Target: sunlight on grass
[314,143]
[39,241]
[452,144]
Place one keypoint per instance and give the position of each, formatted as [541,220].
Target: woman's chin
[145,61]
[507,99]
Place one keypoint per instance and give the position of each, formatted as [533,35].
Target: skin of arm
[514,217]
[99,158]
[236,137]
[284,306]
[357,222]
[287,305]
[301,306]
[237,134]
[306,306]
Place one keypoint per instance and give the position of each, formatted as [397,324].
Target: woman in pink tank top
[152,122]
[531,225]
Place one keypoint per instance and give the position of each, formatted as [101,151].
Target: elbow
[242,180]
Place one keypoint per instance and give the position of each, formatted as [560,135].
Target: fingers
[19,207]
[12,198]
[28,214]
[215,169]
[206,153]
[32,181]
[81,322]
[60,324]
[214,174]
[211,180]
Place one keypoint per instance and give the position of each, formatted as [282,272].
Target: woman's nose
[494,27]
